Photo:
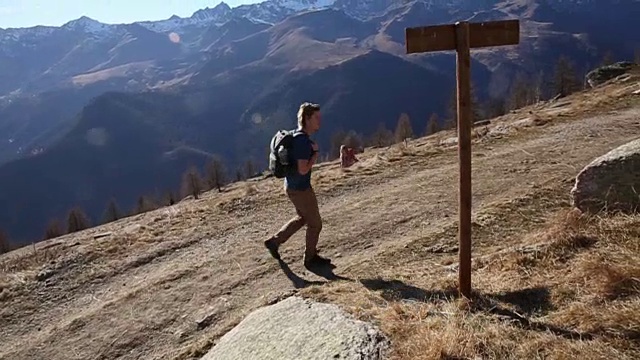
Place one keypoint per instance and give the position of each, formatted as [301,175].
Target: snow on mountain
[88,25]
[218,15]
[269,11]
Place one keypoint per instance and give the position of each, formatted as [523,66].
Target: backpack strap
[297,132]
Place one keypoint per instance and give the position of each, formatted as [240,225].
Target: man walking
[299,190]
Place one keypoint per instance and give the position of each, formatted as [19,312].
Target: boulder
[605,73]
[299,329]
[610,182]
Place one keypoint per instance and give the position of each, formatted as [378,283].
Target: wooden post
[463,62]
[462,36]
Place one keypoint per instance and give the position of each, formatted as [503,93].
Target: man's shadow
[322,271]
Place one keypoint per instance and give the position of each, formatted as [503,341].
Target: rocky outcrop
[610,182]
[299,329]
[605,73]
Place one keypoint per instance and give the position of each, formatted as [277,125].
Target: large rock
[605,73]
[610,182]
[298,329]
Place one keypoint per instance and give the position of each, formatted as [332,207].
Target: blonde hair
[305,111]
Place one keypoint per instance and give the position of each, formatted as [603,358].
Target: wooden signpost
[462,36]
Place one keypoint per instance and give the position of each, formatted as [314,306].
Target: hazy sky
[26,13]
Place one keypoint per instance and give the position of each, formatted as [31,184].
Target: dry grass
[570,289]
[548,282]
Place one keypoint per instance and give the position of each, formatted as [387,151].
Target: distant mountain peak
[298,5]
[87,24]
[218,12]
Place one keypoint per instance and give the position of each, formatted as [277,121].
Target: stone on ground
[605,73]
[610,182]
[299,329]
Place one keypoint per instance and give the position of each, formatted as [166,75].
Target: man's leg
[307,204]
[311,212]
[286,231]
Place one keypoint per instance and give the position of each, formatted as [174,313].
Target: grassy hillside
[548,281]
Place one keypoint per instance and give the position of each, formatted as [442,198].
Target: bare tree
[169,198]
[607,58]
[54,230]
[112,212]
[521,91]
[192,183]
[565,79]
[239,175]
[381,137]
[144,204]
[495,107]
[539,86]
[215,173]
[249,169]
[353,140]
[77,220]
[432,125]
[476,113]
[404,130]
[4,243]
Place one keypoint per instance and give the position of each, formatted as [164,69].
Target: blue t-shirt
[301,150]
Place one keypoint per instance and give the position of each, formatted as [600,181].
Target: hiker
[347,157]
[304,153]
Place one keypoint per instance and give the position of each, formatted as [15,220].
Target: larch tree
[53,230]
[432,125]
[381,137]
[215,173]
[404,130]
[565,78]
[4,243]
[112,212]
[249,168]
[77,220]
[192,183]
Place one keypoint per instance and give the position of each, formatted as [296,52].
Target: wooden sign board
[463,36]
[443,37]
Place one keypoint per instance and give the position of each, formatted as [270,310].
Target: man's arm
[304,166]
[306,157]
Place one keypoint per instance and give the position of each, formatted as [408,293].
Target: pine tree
[77,220]
[192,183]
[215,173]
[404,130]
[112,212]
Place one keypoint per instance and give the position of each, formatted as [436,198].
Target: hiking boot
[315,261]
[273,248]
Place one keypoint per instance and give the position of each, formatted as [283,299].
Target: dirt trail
[165,283]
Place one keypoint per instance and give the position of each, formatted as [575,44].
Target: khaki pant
[308,214]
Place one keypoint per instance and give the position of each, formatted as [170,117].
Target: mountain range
[92,111]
